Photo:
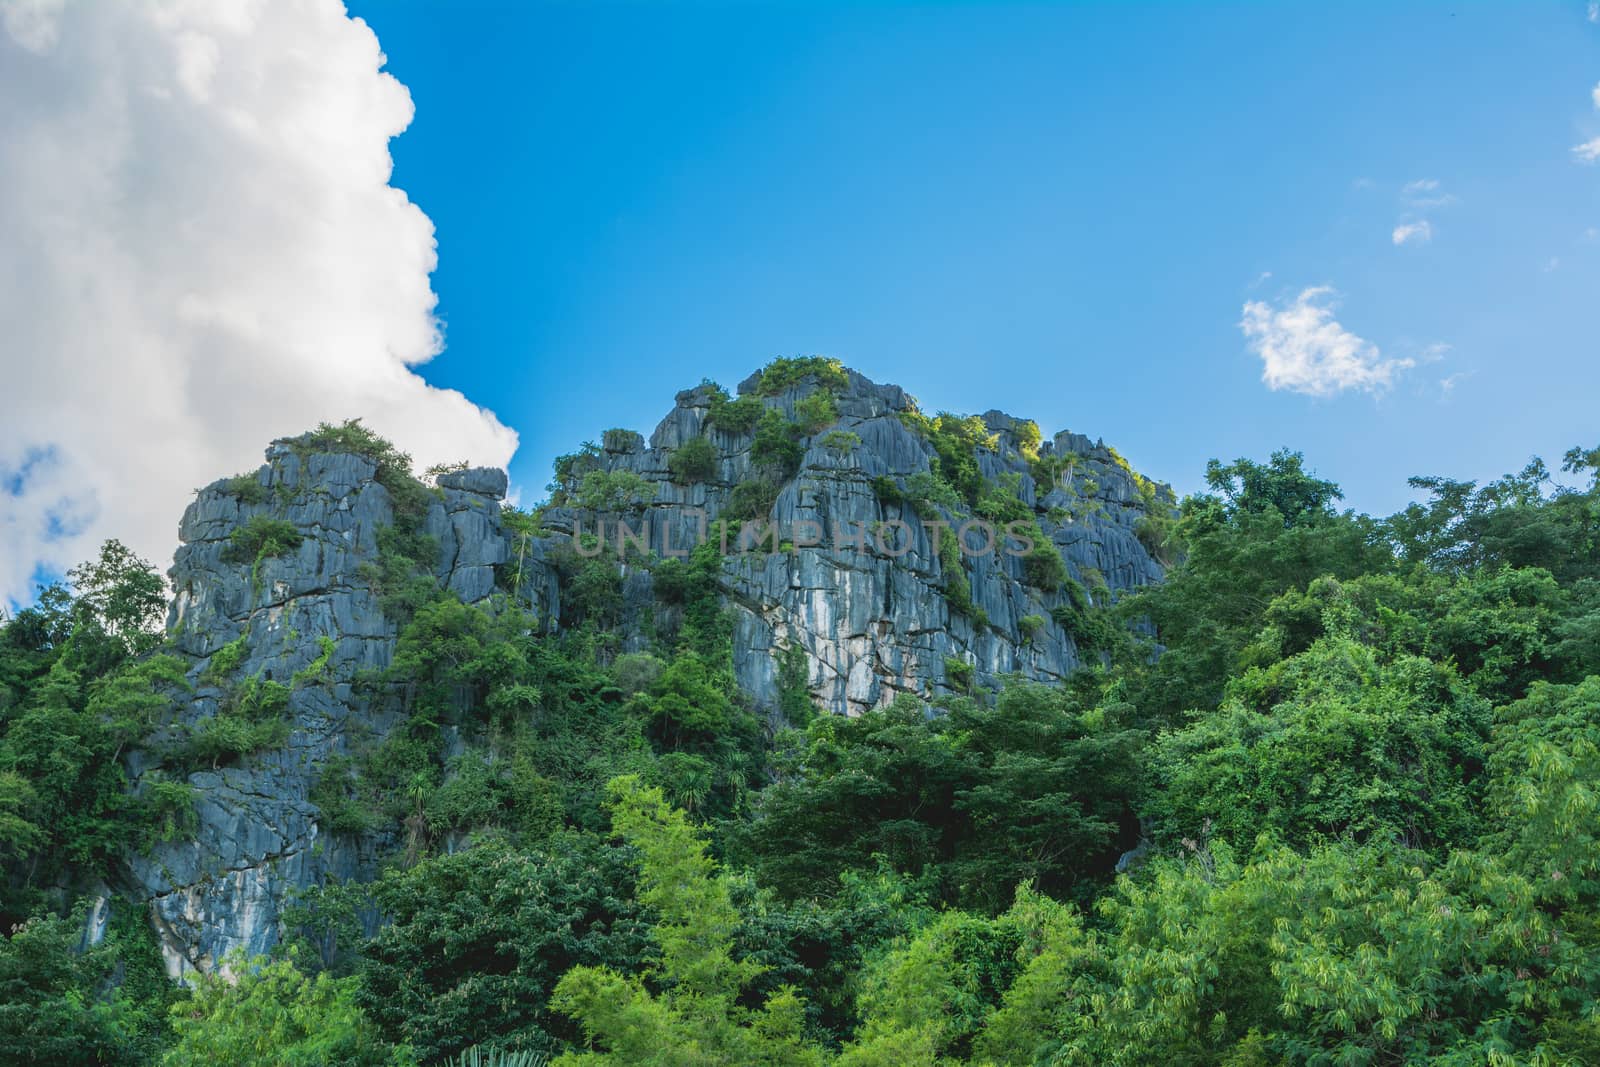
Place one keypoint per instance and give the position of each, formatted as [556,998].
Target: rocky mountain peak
[868,550]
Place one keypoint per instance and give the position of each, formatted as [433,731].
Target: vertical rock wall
[873,624]
[311,611]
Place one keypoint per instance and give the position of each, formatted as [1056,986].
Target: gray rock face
[865,603]
[484,481]
[310,620]
[873,619]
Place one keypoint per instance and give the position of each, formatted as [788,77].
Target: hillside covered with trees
[1326,794]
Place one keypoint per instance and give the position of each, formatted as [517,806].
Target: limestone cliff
[871,624]
[309,616]
[310,619]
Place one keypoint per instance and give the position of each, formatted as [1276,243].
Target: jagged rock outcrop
[871,620]
[870,623]
[310,619]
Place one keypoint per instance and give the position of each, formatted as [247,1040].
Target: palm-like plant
[478,1056]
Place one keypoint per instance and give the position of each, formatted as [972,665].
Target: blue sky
[1058,210]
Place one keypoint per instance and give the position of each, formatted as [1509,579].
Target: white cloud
[1589,151]
[201,252]
[1553,263]
[1423,203]
[1425,193]
[1419,231]
[1594,10]
[1305,350]
[1447,384]
[1417,197]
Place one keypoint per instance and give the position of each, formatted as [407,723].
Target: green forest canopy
[1362,778]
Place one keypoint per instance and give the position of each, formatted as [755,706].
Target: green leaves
[693,461]
[261,538]
[1334,743]
[56,1002]
[273,1015]
[696,1019]
[1281,487]
[476,941]
[784,373]
[956,441]
[733,416]
[611,490]
[974,801]
[1544,790]
[815,412]
[125,593]
[479,1057]
[1242,556]
[776,449]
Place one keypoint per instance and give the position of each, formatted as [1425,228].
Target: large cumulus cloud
[199,250]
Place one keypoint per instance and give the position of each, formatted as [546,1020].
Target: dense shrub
[247,487]
[752,500]
[476,942]
[957,589]
[252,718]
[618,439]
[733,416]
[928,493]
[785,373]
[1043,568]
[569,469]
[694,461]
[816,412]
[270,1014]
[261,538]
[971,801]
[841,440]
[776,448]
[956,441]
[612,490]
[888,491]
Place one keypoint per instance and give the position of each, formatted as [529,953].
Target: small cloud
[1552,264]
[1442,200]
[1592,234]
[1594,10]
[1362,183]
[1417,197]
[1261,279]
[1589,151]
[1435,352]
[1420,231]
[1447,384]
[1303,349]
[1425,194]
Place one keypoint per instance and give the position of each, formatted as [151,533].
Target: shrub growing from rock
[695,461]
